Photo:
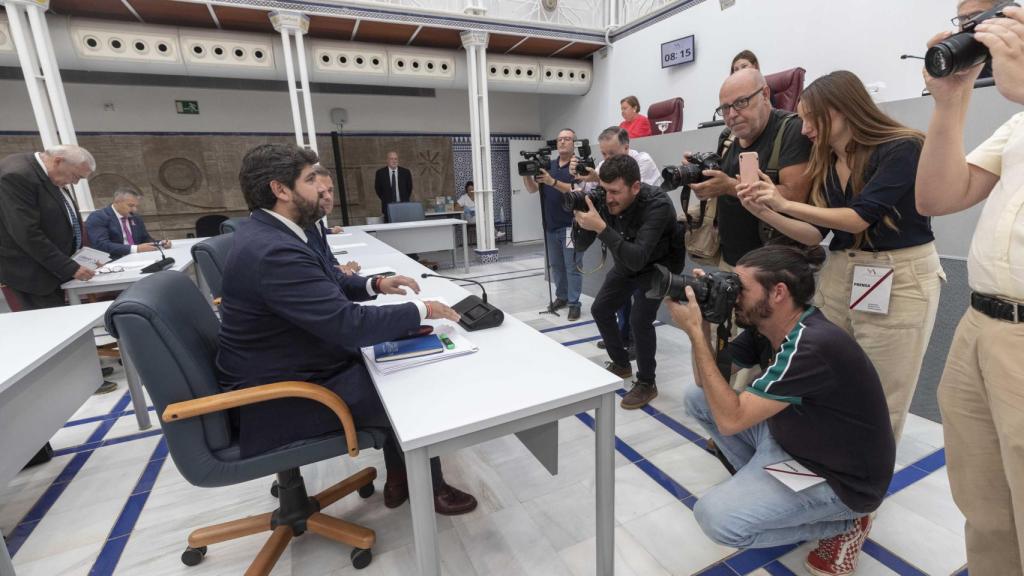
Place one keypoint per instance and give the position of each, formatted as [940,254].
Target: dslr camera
[716,292]
[535,161]
[693,173]
[961,51]
[586,157]
[576,200]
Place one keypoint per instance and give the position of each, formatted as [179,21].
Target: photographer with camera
[752,126]
[614,141]
[637,223]
[817,409]
[980,391]
[882,280]
[563,260]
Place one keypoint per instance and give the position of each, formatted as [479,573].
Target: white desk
[519,382]
[48,368]
[420,236]
[181,251]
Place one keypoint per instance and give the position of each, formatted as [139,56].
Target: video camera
[693,173]
[716,292]
[961,51]
[535,160]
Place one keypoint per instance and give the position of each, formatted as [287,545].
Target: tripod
[547,264]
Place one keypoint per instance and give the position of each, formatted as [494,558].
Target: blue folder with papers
[407,348]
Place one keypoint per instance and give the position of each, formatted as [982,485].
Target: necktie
[394,186]
[127,231]
[76,226]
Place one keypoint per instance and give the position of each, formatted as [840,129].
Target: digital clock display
[677,52]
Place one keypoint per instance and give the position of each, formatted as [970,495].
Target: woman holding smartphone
[882,279]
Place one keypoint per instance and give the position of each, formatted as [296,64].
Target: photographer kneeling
[819,403]
[637,223]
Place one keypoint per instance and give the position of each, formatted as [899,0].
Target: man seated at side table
[118,230]
[286,315]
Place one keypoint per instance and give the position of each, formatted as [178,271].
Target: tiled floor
[123,507]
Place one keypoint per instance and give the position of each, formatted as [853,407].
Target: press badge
[872,287]
[568,237]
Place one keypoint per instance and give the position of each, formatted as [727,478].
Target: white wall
[151,109]
[863,36]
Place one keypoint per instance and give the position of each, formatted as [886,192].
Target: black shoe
[602,345]
[558,304]
[106,387]
[713,449]
[574,313]
[107,371]
[44,455]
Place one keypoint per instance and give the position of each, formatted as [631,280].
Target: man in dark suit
[392,183]
[286,315]
[118,230]
[39,223]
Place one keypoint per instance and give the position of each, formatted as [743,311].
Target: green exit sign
[187,106]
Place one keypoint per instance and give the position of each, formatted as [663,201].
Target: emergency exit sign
[187,106]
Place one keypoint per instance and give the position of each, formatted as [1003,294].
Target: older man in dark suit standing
[287,315]
[39,223]
[392,183]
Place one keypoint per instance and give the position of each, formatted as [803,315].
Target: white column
[475,44]
[289,24]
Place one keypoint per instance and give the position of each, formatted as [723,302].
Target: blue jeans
[564,272]
[754,510]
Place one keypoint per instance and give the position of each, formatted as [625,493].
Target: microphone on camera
[905,56]
[482,289]
[162,264]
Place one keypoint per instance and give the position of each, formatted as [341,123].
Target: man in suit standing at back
[392,183]
[118,230]
[39,223]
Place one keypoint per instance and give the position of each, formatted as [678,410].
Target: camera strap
[722,357]
[604,256]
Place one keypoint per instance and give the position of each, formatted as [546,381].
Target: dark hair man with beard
[817,409]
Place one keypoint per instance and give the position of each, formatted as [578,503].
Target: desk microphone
[474,313]
[482,290]
[162,264]
[905,56]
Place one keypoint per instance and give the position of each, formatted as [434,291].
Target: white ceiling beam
[132,10]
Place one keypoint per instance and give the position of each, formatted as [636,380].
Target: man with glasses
[562,257]
[967,10]
[752,126]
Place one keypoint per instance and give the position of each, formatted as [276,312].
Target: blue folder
[407,348]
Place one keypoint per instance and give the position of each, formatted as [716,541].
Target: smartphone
[749,167]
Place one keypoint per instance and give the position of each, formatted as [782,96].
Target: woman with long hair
[882,279]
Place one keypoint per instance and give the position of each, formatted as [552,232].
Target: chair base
[296,514]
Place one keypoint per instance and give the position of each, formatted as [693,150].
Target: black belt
[997,308]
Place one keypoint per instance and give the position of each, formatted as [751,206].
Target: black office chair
[209,225]
[231,224]
[405,212]
[211,255]
[167,327]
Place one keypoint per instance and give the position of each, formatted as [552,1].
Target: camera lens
[954,54]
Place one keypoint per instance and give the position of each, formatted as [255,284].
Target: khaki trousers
[982,401]
[895,342]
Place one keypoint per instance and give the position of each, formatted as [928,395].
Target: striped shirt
[837,424]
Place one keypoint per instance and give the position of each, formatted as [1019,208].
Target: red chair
[670,110]
[786,87]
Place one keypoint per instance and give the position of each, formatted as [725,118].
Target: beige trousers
[895,342]
[982,401]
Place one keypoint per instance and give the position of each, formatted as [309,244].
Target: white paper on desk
[794,475]
[337,248]
[462,347]
[91,258]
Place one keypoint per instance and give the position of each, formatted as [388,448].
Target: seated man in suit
[323,177]
[287,316]
[392,183]
[117,230]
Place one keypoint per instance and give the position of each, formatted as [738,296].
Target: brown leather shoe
[396,490]
[452,501]
[620,371]
[639,395]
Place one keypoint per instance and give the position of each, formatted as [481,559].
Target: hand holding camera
[715,294]
[702,173]
[590,220]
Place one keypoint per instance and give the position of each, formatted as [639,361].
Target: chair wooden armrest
[257,394]
[217,301]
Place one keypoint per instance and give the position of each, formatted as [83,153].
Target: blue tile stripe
[102,417]
[534,275]
[45,502]
[890,560]
[88,447]
[565,326]
[112,549]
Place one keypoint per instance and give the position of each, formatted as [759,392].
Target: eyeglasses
[110,270]
[960,20]
[737,104]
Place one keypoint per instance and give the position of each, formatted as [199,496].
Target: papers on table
[794,475]
[91,258]
[462,348]
[119,266]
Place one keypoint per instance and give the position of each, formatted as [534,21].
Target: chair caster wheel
[361,557]
[274,490]
[193,556]
[367,490]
